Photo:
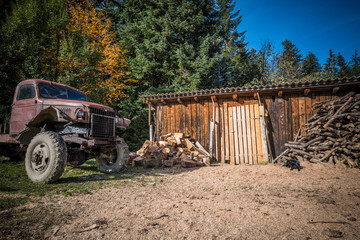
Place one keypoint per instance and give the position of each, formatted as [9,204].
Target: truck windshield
[58,92]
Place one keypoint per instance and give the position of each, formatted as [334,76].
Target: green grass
[11,202]
[75,180]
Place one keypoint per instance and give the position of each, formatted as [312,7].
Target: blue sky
[314,26]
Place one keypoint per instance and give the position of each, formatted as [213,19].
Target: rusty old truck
[54,124]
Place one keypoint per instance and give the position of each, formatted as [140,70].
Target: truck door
[23,109]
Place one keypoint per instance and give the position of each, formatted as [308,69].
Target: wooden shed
[243,124]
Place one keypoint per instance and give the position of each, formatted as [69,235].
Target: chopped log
[187,163]
[340,110]
[305,153]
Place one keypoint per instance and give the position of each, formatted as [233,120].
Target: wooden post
[149,122]
[212,126]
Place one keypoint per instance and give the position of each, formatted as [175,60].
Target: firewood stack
[173,149]
[332,134]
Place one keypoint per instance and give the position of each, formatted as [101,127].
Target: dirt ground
[219,202]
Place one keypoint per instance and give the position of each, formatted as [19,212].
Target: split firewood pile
[172,149]
[332,135]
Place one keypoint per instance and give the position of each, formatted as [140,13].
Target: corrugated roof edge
[255,88]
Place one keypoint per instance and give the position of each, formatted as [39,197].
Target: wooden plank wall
[287,115]
[237,131]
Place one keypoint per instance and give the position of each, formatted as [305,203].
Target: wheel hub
[40,157]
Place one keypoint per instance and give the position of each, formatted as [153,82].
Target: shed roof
[286,87]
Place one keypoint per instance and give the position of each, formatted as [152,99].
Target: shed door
[241,134]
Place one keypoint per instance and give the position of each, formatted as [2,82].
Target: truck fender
[34,126]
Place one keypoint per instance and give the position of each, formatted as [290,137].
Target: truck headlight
[79,113]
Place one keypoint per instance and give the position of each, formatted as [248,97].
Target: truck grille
[101,112]
[102,126]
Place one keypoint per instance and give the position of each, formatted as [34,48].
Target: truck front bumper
[90,143]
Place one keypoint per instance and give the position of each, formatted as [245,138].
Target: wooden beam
[241,100]
[214,98]
[306,91]
[163,101]
[335,90]
[256,95]
[280,93]
[149,117]
[196,99]
[179,100]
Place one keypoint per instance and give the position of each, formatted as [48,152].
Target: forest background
[117,50]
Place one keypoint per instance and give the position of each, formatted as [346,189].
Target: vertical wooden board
[295,115]
[156,122]
[302,112]
[165,120]
[288,116]
[210,117]
[248,131]
[176,117]
[264,136]
[193,119]
[182,118]
[282,133]
[308,103]
[231,134]
[274,114]
[253,131]
[217,133]
[226,142]
[240,135]
[173,116]
[186,118]
[236,135]
[259,145]
[206,125]
[244,134]
[222,129]
[270,123]
[199,127]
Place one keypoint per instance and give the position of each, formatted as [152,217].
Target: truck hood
[65,103]
[74,103]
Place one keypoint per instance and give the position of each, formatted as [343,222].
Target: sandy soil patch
[221,202]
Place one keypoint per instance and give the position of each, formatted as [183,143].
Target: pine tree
[266,63]
[289,68]
[330,69]
[355,64]
[171,43]
[311,68]
[342,66]
[236,64]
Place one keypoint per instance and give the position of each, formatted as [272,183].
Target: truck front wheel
[115,160]
[45,158]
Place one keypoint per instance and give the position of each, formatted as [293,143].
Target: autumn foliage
[91,54]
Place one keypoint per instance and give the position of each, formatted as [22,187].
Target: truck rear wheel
[45,158]
[114,161]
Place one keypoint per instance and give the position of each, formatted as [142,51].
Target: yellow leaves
[110,68]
